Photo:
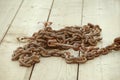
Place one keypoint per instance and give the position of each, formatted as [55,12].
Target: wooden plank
[64,12]
[106,13]
[24,24]
[8,10]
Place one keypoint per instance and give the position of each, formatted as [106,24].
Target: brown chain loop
[49,42]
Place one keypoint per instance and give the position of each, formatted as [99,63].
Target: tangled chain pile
[49,42]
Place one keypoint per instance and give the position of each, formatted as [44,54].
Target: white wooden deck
[19,18]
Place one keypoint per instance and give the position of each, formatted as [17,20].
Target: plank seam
[82,7]
[50,10]
[47,21]
[31,72]
[11,22]
[82,12]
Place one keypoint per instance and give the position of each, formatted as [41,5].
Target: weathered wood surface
[106,13]
[20,17]
[24,24]
[64,12]
[8,11]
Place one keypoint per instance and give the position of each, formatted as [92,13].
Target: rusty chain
[49,42]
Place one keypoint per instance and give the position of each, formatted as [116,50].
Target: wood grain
[24,24]
[20,19]
[8,10]
[106,13]
[64,12]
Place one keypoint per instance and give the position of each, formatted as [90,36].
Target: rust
[49,42]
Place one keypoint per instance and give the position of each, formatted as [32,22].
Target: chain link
[49,42]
